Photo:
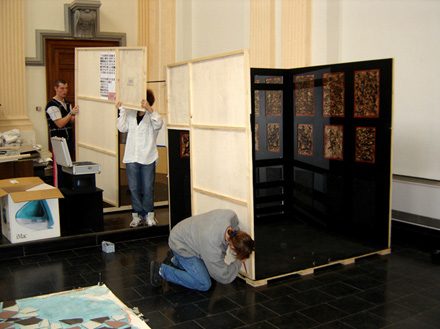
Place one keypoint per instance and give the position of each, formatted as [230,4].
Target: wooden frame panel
[107,114]
[133,78]
[87,79]
[217,114]
[109,173]
[178,100]
[219,91]
[218,163]
[97,134]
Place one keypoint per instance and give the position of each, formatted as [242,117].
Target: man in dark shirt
[60,117]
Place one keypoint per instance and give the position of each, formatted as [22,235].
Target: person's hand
[74,110]
[145,105]
[230,256]
[118,104]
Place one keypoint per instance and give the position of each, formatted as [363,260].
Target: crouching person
[204,246]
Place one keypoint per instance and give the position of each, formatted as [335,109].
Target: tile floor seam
[235,317]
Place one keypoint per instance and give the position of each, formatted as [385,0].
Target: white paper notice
[107,70]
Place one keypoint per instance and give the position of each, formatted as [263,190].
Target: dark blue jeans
[141,184]
[192,273]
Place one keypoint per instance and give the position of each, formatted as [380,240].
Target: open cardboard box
[29,209]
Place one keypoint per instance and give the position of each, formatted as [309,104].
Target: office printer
[78,175]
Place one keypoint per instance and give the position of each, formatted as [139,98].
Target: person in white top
[142,128]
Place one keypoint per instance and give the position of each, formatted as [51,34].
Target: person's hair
[150,97]
[56,83]
[242,243]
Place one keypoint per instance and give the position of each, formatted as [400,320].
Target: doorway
[60,61]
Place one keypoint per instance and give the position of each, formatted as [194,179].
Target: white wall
[406,30]
[209,27]
[115,16]
[416,198]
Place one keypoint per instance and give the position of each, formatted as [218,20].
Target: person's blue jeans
[141,184]
[189,272]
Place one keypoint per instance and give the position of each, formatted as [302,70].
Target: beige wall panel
[204,203]
[178,98]
[108,178]
[132,76]
[219,162]
[87,70]
[157,31]
[262,33]
[97,124]
[13,112]
[219,91]
[295,33]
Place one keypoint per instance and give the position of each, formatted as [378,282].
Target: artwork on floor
[184,144]
[91,307]
[333,94]
[305,139]
[274,102]
[334,142]
[273,134]
[366,93]
[304,95]
[365,144]
[257,102]
[257,137]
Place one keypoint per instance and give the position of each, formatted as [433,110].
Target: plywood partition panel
[211,96]
[219,162]
[87,133]
[133,76]
[219,91]
[87,69]
[102,76]
[108,178]
[178,95]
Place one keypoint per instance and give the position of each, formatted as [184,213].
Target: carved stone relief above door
[81,21]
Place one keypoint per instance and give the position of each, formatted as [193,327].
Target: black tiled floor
[401,290]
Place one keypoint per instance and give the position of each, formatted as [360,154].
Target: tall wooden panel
[98,86]
[210,97]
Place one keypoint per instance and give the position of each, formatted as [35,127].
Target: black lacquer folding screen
[322,148]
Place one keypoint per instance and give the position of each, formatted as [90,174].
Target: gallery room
[219,164]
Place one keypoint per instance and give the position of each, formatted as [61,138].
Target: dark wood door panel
[60,61]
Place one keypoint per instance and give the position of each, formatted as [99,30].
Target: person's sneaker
[155,278]
[151,219]
[136,221]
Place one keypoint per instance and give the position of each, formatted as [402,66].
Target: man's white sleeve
[54,113]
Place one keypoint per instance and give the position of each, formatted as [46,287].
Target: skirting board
[348,261]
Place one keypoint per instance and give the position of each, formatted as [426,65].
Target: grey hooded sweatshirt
[203,236]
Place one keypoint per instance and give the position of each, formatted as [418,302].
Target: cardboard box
[29,209]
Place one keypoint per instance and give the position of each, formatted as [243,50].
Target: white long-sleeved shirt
[141,139]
